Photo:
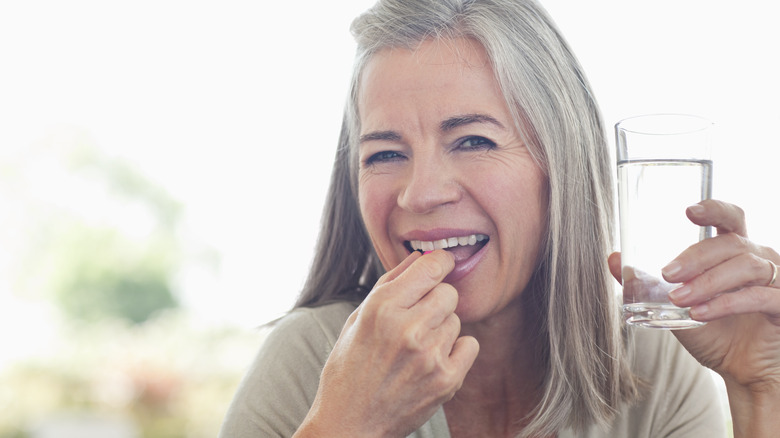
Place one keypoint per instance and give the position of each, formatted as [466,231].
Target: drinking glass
[664,166]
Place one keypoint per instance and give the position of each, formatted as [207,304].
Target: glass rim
[684,124]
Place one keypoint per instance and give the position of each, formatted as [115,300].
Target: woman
[471,135]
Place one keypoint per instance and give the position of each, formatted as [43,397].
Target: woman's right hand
[399,356]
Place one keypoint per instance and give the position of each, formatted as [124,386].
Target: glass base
[659,316]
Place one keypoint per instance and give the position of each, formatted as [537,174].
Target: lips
[467,248]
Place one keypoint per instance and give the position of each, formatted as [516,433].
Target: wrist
[754,410]
[326,423]
[310,429]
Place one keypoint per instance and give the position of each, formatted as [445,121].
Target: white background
[234,106]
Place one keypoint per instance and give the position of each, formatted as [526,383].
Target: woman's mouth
[467,251]
[451,242]
[462,247]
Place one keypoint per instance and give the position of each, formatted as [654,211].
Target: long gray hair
[571,294]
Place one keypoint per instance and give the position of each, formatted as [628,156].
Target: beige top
[275,395]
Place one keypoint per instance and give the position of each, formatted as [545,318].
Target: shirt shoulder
[274,396]
[678,398]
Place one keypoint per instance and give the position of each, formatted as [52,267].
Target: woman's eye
[384,156]
[476,143]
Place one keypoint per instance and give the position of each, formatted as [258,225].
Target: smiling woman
[456,168]
[471,134]
[223,105]
[463,134]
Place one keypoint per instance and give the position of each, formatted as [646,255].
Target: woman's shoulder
[679,397]
[280,385]
[327,317]
[319,325]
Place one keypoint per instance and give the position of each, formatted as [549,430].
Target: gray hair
[571,294]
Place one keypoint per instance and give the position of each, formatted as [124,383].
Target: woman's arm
[397,359]
[726,281]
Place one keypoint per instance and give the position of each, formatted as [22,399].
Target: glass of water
[664,166]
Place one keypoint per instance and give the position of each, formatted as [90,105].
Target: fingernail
[696,209]
[680,293]
[699,311]
[671,269]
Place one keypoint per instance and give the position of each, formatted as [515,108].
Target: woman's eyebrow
[466,119]
[380,135]
[447,125]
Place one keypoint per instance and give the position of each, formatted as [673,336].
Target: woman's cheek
[376,208]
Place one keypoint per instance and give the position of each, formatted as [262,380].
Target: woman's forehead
[461,52]
[437,72]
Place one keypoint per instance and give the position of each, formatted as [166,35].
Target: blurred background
[163,165]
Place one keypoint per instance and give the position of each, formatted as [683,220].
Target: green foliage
[101,237]
[93,235]
[101,273]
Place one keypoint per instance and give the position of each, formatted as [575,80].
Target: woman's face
[441,161]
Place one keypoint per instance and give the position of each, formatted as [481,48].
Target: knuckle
[378,313]
[452,382]
[756,264]
[705,282]
[384,310]
[695,252]
[727,303]
[738,242]
[770,254]
[447,294]
[450,290]
[445,381]
[749,299]
[431,269]
[428,363]
[738,212]
[453,321]
[410,338]
[373,301]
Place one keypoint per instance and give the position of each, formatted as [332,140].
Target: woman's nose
[428,184]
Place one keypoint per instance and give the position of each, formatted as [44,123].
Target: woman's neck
[503,386]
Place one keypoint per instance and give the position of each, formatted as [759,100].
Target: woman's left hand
[731,283]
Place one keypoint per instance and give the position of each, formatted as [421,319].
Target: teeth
[451,242]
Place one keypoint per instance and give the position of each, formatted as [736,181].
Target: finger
[744,270]
[773,272]
[464,353]
[384,279]
[447,334]
[437,305]
[725,217]
[756,299]
[421,276]
[614,266]
[706,254]
[401,267]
